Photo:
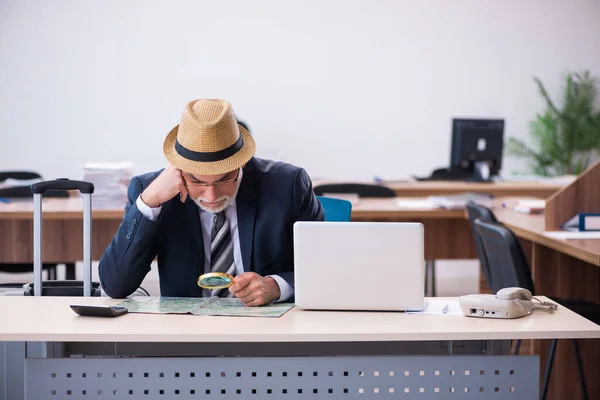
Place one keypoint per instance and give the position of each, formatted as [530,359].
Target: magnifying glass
[215,280]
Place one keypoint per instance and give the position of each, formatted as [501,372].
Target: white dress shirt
[206,221]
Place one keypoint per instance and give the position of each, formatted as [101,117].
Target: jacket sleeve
[126,261]
[306,208]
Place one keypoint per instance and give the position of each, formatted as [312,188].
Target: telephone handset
[513,293]
[512,302]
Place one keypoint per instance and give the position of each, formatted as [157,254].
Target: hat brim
[209,168]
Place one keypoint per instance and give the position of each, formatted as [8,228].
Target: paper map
[202,306]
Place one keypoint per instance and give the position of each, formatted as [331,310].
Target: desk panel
[567,277]
[62,240]
[333,377]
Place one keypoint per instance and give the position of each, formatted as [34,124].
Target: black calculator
[98,310]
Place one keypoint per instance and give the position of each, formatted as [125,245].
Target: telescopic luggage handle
[62,184]
[86,189]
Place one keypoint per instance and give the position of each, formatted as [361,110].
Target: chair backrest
[484,214]
[20,175]
[507,261]
[361,189]
[336,209]
[24,191]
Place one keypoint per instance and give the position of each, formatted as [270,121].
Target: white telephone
[512,302]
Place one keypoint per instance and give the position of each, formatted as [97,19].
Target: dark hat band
[209,156]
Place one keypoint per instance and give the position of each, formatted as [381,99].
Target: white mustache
[200,202]
[205,200]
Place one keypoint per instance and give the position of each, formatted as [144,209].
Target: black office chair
[361,189]
[509,268]
[475,211]
[24,192]
[20,175]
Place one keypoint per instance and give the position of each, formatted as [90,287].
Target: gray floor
[454,278]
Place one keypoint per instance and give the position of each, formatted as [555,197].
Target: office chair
[361,189]
[509,268]
[23,192]
[475,211]
[336,209]
[20,175]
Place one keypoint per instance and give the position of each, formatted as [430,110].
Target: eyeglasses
[217,184]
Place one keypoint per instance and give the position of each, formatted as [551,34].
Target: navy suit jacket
[271,198]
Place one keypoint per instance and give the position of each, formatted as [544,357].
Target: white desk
[311,356]
[51,319]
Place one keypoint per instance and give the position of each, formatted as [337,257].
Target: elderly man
[214,208]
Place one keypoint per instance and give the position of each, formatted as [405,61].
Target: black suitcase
[62,288]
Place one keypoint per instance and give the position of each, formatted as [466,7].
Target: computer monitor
[477,146]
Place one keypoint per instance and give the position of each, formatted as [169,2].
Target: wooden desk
[62,230]
[341,353]
[447,234]
[531,228]
[498,189]
[63,227]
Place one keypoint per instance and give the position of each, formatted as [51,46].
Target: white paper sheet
[439,307]
[573,235]
[416,204]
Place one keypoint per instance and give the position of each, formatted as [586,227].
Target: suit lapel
[195,233]
[246,210]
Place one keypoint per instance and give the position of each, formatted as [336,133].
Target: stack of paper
[535,206]
[416,204]
[460,201]
[110,183]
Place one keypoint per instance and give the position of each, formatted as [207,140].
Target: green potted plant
[565,136]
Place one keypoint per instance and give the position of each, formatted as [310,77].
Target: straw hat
[208,139]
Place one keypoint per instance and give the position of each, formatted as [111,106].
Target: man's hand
[167,185]
[254,290]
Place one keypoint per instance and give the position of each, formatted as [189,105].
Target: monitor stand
[479,172]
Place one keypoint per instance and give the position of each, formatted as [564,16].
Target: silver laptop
[359,265]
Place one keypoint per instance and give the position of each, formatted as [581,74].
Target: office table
[498,189]
[62,223]
[303,353]
[406,188]
[447,232]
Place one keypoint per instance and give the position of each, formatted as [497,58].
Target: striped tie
[221,252]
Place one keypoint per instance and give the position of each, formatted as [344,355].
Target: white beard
[228,200]
[215,210]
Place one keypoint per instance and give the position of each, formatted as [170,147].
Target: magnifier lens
[215,280]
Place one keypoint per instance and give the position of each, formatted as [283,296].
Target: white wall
[347,89]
